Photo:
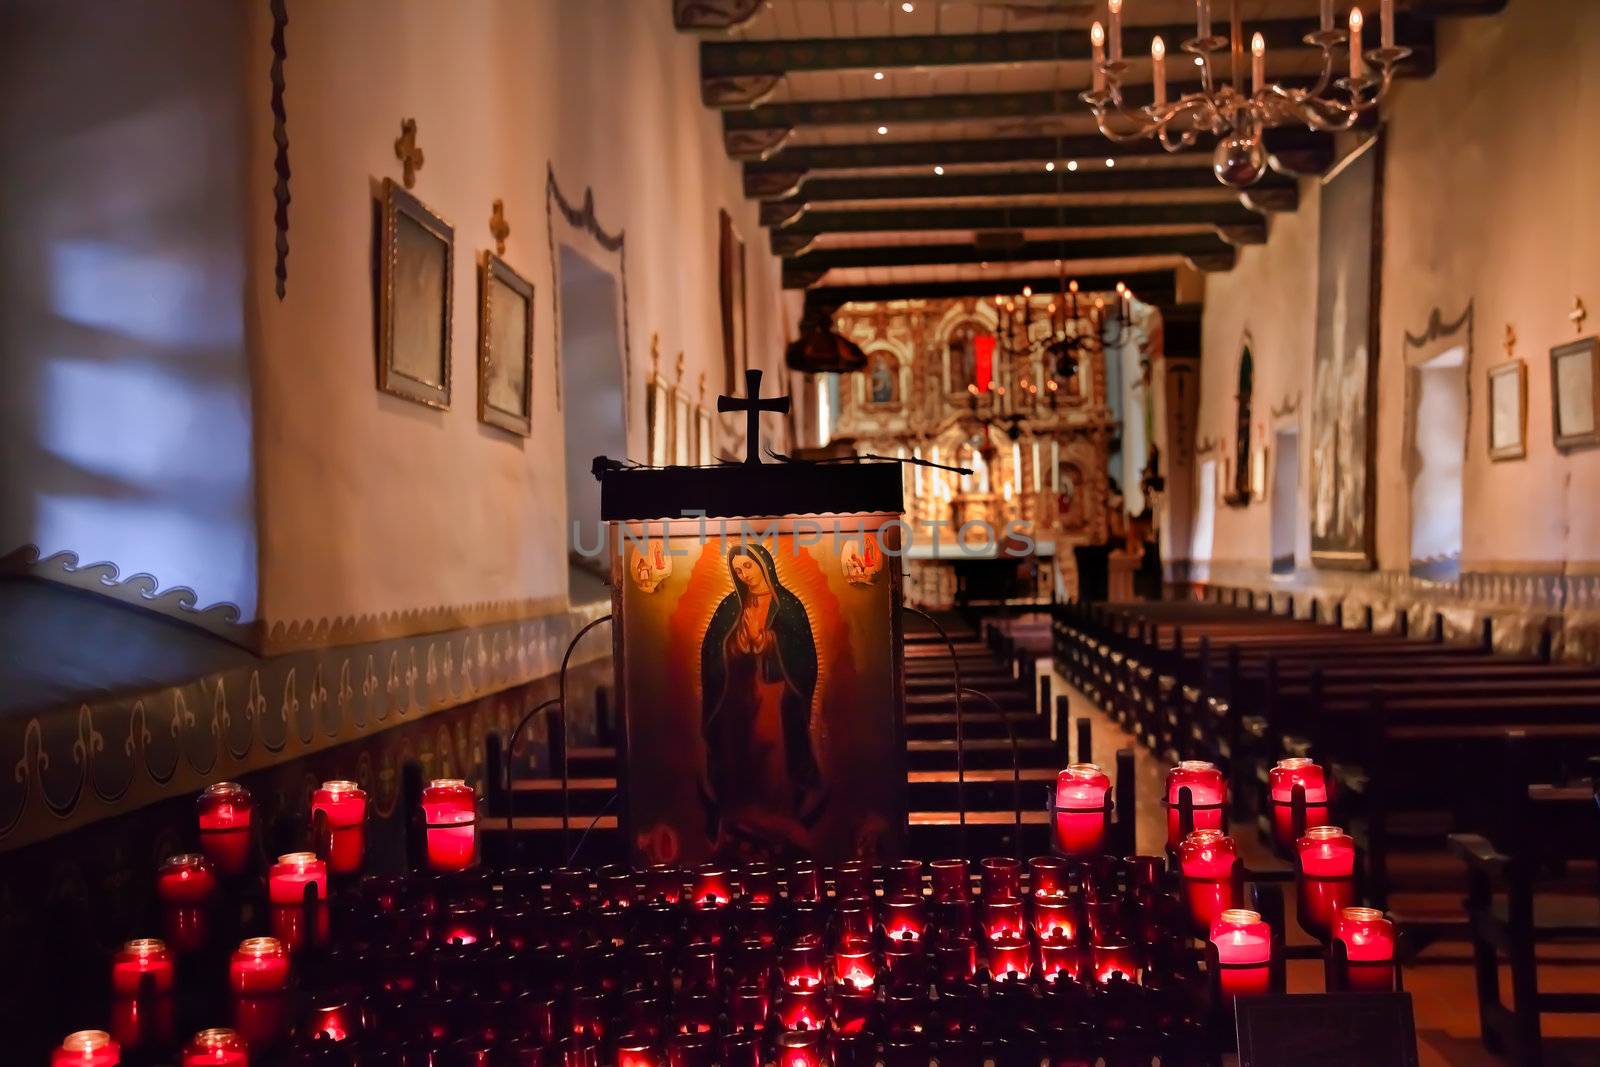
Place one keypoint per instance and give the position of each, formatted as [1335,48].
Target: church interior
[800,533]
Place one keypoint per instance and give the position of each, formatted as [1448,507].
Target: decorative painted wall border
[76,765]
[583,217]
[306,634]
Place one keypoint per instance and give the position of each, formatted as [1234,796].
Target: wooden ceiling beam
[1204,251]
[1152,287]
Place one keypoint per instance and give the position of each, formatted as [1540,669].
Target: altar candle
[1327,857]
[343,805]
[287,881]
[800,1048]
[450,812]
[903,919]
[950,879]
[87,1048]
[1001,878]
[187,878]
[853,966]
[1158,69]
[1206,858]
[137,959]
[1081,809]
[1358,65]
[1008,957]
[1368,940]
[1244,950]
[1114,10]
[1258,64]
[1207,790]
[1284,776]
[1097,46]
[223,812]
[1386,21]
[215,1048]
[258,967]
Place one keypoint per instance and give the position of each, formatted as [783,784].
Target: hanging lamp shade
[819,348]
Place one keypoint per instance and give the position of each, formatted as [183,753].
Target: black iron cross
[752,405]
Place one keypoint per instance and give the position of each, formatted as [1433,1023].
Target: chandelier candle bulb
[1258,64]
[1114,10]
[1158,69]
[1202,18]
[344,808]
[287,881]
[87,1048]
[1097,47]
[1327,16]
[1358,65]
[450,813]
[136,959]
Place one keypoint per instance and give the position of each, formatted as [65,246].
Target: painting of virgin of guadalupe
[758,672]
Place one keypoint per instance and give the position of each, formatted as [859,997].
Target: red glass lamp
[343,806]
[215,1048]
[450,815]
[289,878]
[224,812]
[1282,780]
[1010,957]
[802,1048]
[1244,951]
[950,879]
[854,966]
[87,1048]
[141,966]
[1327,861]
[186,879]
[1369,946]
[903,918]
[1207,859]
[258,967]
[1080,810]
[1208,794]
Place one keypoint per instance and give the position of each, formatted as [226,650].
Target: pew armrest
[1480,854]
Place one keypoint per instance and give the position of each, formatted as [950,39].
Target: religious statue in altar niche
[758,672]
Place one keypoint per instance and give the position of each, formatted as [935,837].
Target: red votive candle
[450,813]
[1206,858]
[1208,792]
[1080,828]
[1001,878]
[664,883]
[135,960]
[87,1048]
[187,878]
[802,964]
[1326,885]
[1282,779]
[853,921]
[712,887]
[852,881]
[950,879]
[903,878]
[1048,876]
[224,812]
[1060,957]
[259,966]
[1055,919]
[1244,950]
[804,881]
[801,1048]
[1003,918]
[1009,957]
[853,966]
[637,1052]
[802,1008]
[957,959]
[903,919]
[344,808]
[287,881]
[1114,956]
[1368,940]
[215,1048]
[758,884]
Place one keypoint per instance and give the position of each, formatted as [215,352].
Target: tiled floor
[1440,983]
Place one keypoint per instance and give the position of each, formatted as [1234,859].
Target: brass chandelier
[1224,109]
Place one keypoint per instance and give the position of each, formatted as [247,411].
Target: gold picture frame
[1508,410]
[505,344]
[1575,394]
[416,277]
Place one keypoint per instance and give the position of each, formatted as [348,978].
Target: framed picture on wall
[705,439]
[1575,393]
[730,283]
[682,428]
[415,275]
[1508,410]
[505,347]
[658,422]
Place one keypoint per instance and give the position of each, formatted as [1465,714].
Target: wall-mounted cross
[407,152]
[752,405]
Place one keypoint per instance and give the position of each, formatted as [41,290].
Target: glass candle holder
[1244,952]
[1010,958]
[853,921]
[903,878]
[852,881]
[1049,877]
[294,871]
[854,1009]
[712,887]
[854,966]
[1369,945]
[1080,810]
[215,1048]
[803,1008]
[690,1050]
[748,1006]
[759,884]
[140,966]
[1000,878]
[223,812]
[1112,956]
[664,883]
[450,818]
[258,967]
[904,918]
[950,879]
[802,1048]
[1060,957]
[804,882]
[1055,919]
[633,1051]
[1281,780]
[956,959]
[1208,793]
[87,1048]
[187,879]
[1206,858]
[1326,883]
[343,806]
[802,964]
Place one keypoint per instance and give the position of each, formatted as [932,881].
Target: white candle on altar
[1115,8]
[1158,69]
[1258,63]
[1097,45]
[1358,66]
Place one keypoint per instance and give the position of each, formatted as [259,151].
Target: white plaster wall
[371,504]
[1489,198]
